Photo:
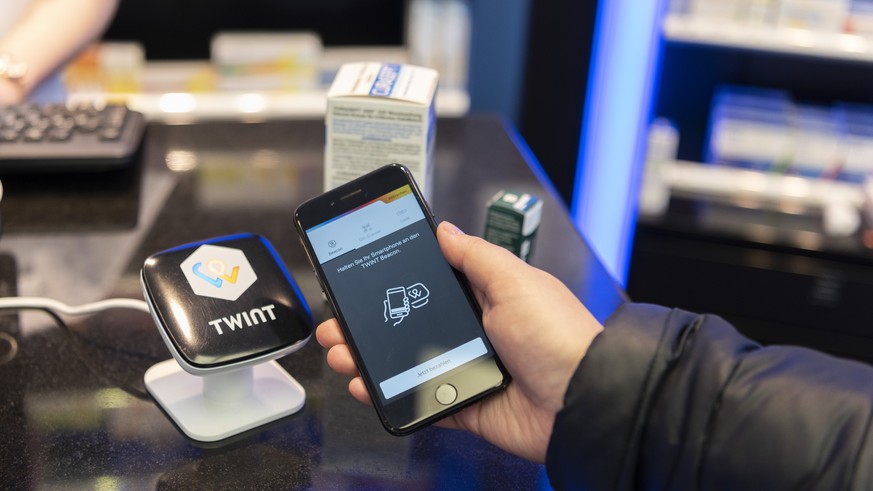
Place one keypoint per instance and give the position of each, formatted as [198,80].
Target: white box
[377,114]
[814,15]
[281,61]
[725,10]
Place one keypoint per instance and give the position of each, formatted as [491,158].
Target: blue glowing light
[624,59]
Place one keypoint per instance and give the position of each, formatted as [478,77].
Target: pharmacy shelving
[182,106]
[701,55]
[186,91]
[764,37]
[779,249]
[731,182]
[842,205]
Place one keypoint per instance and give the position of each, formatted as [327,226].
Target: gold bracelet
[12,70]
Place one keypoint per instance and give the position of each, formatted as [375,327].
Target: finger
[359,391]
[339,358]
[329,334]
[449,422]
[478,259]
[460,420]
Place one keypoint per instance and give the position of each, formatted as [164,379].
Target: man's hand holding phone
[408,319]
[538,327]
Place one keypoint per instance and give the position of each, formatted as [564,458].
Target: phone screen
[410,320]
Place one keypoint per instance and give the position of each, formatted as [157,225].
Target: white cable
[59,307]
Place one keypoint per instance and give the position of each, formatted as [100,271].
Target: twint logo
[218,272]
[217,268]
[244,319]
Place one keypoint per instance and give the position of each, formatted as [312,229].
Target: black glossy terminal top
[225,301]
[73,409]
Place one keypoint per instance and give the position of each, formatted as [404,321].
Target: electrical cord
[62,308]
[55,308]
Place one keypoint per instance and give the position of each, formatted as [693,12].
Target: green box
[512,221]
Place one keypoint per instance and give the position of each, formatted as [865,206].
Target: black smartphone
[410,319]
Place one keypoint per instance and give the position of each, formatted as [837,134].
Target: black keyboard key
[8,135]
[34,134]
[109,134]
[60,134]
[57,137]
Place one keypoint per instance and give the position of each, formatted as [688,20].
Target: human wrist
[10,92]
[12,86]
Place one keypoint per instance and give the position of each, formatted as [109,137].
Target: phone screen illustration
[397,303]
[410,319]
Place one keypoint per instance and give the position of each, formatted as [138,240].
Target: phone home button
[446,394]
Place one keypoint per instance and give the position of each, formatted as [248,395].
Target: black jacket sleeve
[666,399]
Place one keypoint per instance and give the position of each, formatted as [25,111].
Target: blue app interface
[406,312]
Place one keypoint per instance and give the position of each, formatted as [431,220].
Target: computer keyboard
[53,137]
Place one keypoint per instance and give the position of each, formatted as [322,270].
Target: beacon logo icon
[218,272]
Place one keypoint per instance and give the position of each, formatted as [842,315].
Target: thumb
[479,260]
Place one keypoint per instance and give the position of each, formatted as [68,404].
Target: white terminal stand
[213,407]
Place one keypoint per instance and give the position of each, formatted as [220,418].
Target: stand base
[274,394]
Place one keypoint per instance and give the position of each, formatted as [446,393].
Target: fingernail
[453,229]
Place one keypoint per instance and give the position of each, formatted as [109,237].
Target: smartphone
[410,319]
[397,302]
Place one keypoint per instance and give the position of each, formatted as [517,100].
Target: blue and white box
[856,127]
[750,127]
[814,15]
[380,113]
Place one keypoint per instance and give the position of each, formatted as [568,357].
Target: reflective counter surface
[74,412]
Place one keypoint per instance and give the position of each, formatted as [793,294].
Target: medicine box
[380,113]
[512,221]
[279,61]
[724,10]
[751,127]
[814,15]
[751,12]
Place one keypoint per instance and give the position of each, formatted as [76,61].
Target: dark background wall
[555,82]
[174,30]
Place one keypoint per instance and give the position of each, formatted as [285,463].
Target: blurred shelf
[768,38]
[841,205]
[731,182]
[189,90]
[183,107]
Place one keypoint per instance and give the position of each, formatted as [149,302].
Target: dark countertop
[74,412]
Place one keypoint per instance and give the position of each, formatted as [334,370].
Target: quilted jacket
[667,399]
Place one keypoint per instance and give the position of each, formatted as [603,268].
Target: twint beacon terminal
[226,308]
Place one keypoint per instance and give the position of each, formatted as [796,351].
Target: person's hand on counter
[10,92]
[540,331]
[40,39]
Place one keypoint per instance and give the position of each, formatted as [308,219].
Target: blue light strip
[621,81]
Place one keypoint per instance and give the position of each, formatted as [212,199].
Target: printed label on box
[379,114]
